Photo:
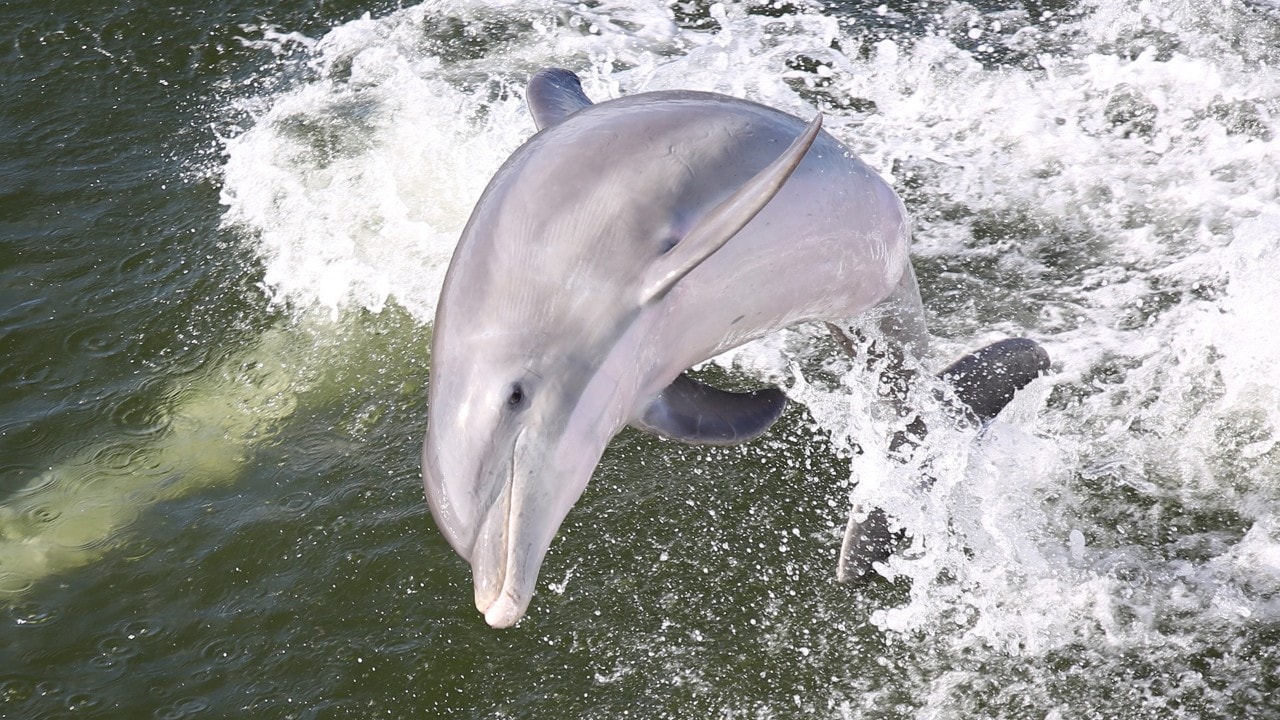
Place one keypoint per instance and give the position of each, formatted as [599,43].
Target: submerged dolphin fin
[984,381]
[726,219]
[692,412]
[554,94]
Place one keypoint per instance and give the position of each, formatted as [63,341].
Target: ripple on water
[94,340]
[87,516]
[35,373]
[140,415]
[83,701]
[224,650]
[184,362]
[16,688]
[24,434]
[33,614]
[186,707]
[127,640]
[14,584]
[298,503]
[47,374]
[34,518]
[15,475]
[50,689]
[314,450]
[114,455]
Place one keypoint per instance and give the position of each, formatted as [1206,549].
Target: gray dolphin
[622,244]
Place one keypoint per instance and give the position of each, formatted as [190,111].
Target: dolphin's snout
[502,581]
[483,533]
[489,561]
[476,518]
[505,612]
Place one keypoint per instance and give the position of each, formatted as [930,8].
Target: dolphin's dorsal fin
[692,412]
[726,219]
[554,94]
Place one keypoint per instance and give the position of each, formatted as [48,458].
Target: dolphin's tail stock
[982,383]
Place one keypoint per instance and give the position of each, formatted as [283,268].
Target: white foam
[1172,205]
[357,193]
[1119,169]
[357,183]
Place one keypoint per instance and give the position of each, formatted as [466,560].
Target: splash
[1100,177]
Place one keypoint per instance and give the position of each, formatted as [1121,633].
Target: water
[223,228]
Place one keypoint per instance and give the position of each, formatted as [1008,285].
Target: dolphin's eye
[516,398]
[669,242]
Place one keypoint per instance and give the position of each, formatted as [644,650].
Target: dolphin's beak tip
[505,612]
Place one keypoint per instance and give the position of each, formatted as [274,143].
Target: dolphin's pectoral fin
[987,379]
[692,412]
[554,94]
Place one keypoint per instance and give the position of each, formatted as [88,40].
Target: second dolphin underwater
[621,245]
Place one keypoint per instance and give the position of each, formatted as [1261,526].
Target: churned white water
[1104,178]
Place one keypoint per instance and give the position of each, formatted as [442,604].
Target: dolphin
[622,244]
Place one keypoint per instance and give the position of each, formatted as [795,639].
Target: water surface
[222,230]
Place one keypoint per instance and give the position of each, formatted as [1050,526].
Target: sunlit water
[224,230]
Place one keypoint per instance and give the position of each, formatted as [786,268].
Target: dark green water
[312,582]
[210,492]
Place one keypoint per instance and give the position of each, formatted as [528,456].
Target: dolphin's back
[832,243]
[614,185]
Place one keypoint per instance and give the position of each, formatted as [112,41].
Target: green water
[211,503]
[300,575]
[121,297]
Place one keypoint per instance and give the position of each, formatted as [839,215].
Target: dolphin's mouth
[500,593]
